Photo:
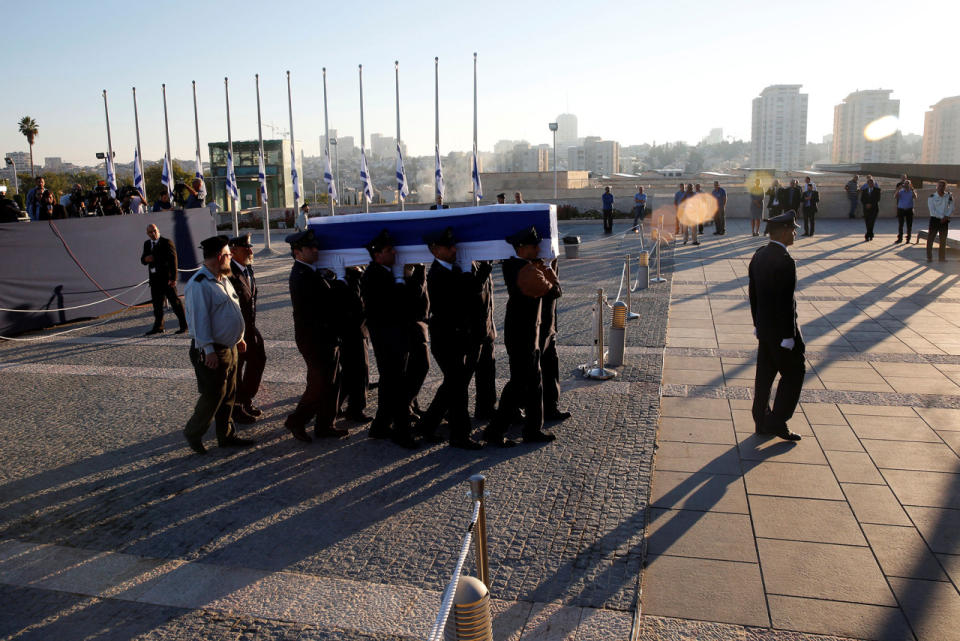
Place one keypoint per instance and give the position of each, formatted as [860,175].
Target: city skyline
[637,89]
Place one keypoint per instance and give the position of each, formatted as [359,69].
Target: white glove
[397,271]
[339,269]
[754,332]
[787,343]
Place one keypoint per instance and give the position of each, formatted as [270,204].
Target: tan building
[852,116]
[941,133]
[779,132]
[596,155]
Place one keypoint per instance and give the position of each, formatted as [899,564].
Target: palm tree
[29,128]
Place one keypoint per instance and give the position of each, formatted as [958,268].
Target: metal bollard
[617,334]
[470,618]
[480,531]
[643,279]
[599,372]
[630,314]
[658,278]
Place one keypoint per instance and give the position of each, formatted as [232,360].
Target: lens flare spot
[881,128]
[698,209]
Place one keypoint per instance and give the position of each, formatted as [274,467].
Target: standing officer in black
[354,361]
[316,304]
[251,362]
[161,256]
[396,304]
[870,198]
[451,291]
[549,361]
[773,280]
[529,282]
[484,336]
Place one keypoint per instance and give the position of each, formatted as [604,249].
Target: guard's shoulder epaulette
[200,276]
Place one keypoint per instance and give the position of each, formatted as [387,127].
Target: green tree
[29,128]
[151,175]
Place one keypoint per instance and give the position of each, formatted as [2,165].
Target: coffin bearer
[316,309]
[160,257]
[549,361]
[452,289]
[216,324]
[251,362]
[773,281]
[484,335]
[529,283]
[354,360]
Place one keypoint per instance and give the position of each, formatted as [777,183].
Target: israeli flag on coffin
[477,187]
[402,186]
[203,186]
[232,188]
[111,177]
[293,172]
[481,232]
[166,176]
[138,176]
[328,176]
[262,176]
[438,173]
[365,176]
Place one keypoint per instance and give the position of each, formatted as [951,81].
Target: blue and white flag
[166,177]
[365,177]
[232,188]
[111,177]
[328,176]
[402,188]
[138,182]
[477,187]
[293,172]
[262,176]
[202,193]
[438,174]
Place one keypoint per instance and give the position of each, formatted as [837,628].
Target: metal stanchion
[599,372]
[643,265]
[618,330]
[480,533]
[630,315]
[659,278]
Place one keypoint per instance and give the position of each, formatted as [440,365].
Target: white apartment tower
[567,131]
[852,116]
[941,133]
[779,128]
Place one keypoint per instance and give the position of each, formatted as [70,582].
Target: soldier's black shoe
[155,330]
[378,432]
[539,437]
[299,432]
[500,441]
[252,410]
[331,432]
[357,417]
[182,330]
[430,437]
[466,444]
[240,416]
[405,441]
[196,445]
[787,435]
[236,441]
[556,415]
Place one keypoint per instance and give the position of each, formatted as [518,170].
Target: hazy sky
[631,71]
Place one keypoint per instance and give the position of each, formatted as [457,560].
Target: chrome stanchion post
[599,372]
[630,314]
[659,278]
[480,531]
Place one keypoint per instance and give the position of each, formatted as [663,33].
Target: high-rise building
[941,133]
[715,137]
[567,131]
[779,131]
[850,119]
[596,155]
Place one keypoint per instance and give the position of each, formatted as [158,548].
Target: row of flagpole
[167,178]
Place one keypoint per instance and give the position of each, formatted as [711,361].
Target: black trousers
[393,402]
[160,289]
[789,363]
[937,228]
[457,364]
[218,391]
[720,220]
[904,216]
[523,390]
[355,372]
[550,373]
[809,222]
[320,398]
[485,377]
[607,221]
[250,366]
[869,219]
[853,207]
[417,365]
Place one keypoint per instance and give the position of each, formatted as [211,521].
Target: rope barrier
[67,309]
[68,331]
[447,602]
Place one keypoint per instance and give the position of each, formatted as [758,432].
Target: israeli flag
[402,186]
[365,177]
[293,172]
[262,175]
[202,194]
[111,177]
[439,173]
[328,176]
[138,176]
[232,189]
[166,177]
[477,187]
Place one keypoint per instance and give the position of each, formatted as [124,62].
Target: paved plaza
[657,513]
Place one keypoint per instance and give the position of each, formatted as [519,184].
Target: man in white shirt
[940,204]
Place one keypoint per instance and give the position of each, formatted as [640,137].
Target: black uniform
[396,315]
[870,198]
[811,200]
[250,363]
[773,279]
[452,340]
[354,359]
[790,199]
[315,322]
[485,333]
[549,362]
[162,271]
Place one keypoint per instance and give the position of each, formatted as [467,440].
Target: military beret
[302,239]
[444,238]
[528,236]
[213,245]
[243,240]
[381,240]
[786,219]
[501,195]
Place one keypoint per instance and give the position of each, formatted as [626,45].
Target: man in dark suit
[810,206]
[790,197]
[251,362]
[395,301]
[485,334]
[870,199]
[315,326]
[354,361]
[773,280]
[160,255]
[529,283]
[549,361]
[451,289]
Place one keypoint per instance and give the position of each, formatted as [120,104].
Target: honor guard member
[354,360]
[395,301]
[549,361]
[251,362]
[484,335]
[773,281]
[160,255]
[529,283]
[316,310]
[452,289]
[216,325]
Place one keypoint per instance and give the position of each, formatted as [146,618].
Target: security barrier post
[599,372]
[630,314]
[480,535]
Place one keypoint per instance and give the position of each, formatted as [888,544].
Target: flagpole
[196,129]
[396,68]
[106,112]
[136,124]
[266,206]
[436,115]
[476,167]
[293,153]
[366,201]
[166,129]
[233,201]
[326,129]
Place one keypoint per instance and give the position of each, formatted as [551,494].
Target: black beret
[501,195]
[302,239]
[213,244]
[528,236]
[443,237]
[243,240]
[381,240]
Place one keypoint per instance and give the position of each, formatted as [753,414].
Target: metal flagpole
[436,113]
[363,144]
[266,206]
[233,201]
[476,197]
[396,69]
[166,129]
[293,152]
[196,129]
[136,124]
[106,111]
[326,129]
